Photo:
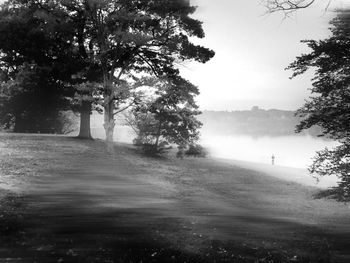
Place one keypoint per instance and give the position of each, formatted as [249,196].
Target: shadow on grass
[63,232]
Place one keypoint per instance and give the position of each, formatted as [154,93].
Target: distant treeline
[255,122]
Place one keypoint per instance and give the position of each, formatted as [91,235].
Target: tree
[123,38]
[41,34]
[85,101]
[169,117]
[32,103]
[329,107]
[131,37]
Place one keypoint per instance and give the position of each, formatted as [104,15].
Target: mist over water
[291,151]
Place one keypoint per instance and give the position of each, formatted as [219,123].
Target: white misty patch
[122,133]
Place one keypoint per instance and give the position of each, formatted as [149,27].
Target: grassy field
[69,200]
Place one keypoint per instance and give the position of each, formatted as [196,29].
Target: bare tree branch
[287,5]
[125,108]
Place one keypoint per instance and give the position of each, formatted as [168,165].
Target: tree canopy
[32,102]
[329,105]
[167,117]
[117,40]
[43,43]
[128,38]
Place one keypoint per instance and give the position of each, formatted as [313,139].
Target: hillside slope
[67,200]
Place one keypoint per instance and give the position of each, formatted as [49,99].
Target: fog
[291,151]
[294,151]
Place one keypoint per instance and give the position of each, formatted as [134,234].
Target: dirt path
[70,201]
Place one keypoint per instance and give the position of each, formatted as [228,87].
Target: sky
[252,51]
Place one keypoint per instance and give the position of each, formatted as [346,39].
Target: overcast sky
[252,50]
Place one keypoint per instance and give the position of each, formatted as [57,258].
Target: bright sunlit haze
[252,50]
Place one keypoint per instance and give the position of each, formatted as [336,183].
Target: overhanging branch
[125,108]
[288,6]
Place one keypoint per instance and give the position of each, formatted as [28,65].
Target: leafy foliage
[40,39]
[335,162]
[169,117]
[196,150]
[32,103]
[329,107]
[129,38]
[113,40]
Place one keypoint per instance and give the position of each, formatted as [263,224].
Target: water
[293,154]
[291,151]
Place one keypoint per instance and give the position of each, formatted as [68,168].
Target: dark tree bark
[109,123]
[85,132]
[18,126]
[109,106]
[158,135]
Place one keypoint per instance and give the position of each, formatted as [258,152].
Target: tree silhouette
[120,38]
[128,38]
[169,116]
[329,107]
[43,38]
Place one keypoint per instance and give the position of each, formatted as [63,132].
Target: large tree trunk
[19,123]
[109,122]
[109,107]
[85,132]
[158,136]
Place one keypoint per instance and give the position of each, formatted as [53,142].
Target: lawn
[69,200]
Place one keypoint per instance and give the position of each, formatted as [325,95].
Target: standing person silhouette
[273,159]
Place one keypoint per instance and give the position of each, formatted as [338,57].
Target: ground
[68,200]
